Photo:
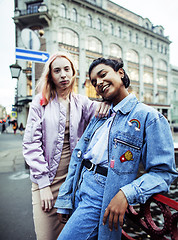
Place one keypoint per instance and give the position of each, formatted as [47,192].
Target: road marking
[19,175]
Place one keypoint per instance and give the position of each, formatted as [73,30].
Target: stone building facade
[94,28]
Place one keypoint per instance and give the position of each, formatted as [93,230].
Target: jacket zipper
[116,140]
[109,135]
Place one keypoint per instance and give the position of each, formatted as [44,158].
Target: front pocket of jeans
[100,179]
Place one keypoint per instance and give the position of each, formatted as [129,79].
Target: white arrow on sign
[30,55]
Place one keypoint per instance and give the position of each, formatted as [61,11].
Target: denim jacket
[138,133]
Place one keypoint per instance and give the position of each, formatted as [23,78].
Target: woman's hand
[102,109]
[46,199]
[116,211]
[63,218]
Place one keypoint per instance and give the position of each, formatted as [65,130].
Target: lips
[104,88]
[64,82]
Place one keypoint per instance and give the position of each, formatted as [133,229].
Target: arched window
[98,26]
[89,21]
[115,51]
[93,45]
[147,25]
[68,37]
[63,11]
[162,65]
[132,56]
[148,61]
[162,73]
[74,15]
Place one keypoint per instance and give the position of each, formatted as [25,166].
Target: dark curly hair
[116,64]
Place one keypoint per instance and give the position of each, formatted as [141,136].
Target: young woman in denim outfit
[57,119]
[102,177]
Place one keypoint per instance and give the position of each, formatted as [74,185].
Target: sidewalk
[11,158]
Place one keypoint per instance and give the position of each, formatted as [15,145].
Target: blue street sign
[31,55]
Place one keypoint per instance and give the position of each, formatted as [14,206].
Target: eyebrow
[98,73]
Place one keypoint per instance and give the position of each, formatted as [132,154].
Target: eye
[56,70]
[103,75]
[94,82]
[67,69]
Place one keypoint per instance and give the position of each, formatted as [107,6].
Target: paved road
[15,191]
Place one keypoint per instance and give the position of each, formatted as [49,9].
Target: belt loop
[94,170]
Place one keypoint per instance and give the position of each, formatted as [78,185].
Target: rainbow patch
[136,122]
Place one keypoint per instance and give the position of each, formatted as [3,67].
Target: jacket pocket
[126,154]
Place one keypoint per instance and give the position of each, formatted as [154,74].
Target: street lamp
[15,70]
[15,73]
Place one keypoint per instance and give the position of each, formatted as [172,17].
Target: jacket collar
[127,104]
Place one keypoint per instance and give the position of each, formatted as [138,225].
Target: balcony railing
[142,217]
[32,15]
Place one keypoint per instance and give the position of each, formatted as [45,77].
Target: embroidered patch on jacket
[136,122]
[112,163]
[127,156]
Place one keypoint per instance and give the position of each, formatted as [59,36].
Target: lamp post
[15,70]
[15,73]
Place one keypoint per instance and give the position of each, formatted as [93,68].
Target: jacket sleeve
[158,161]
[32,145]
[89,108]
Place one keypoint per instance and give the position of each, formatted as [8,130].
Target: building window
[111,29]
[130,36]
[165,50]
[147,25]
[99,24]
[148,61]
[148,96]
[162,97]
[63,11]
[93,45]
[68,37]
[89,21]
[161,80]
[74,15]
[157,47]
[33,7]
[148,77]
[119,32]
[151,44]
[136,38]
[162,65]
[145,42]
[115,51]
[132,56]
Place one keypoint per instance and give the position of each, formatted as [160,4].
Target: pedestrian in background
[102,177]
[21,129]
[57,119]
[15,126]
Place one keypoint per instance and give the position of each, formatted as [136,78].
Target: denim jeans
[83,224]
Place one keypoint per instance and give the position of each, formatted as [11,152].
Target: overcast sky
[159,12]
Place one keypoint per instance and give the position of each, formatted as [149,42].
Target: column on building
[82,65]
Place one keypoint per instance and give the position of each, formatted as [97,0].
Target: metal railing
[143,218]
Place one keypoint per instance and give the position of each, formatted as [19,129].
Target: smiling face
[108,83]
[62,73]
